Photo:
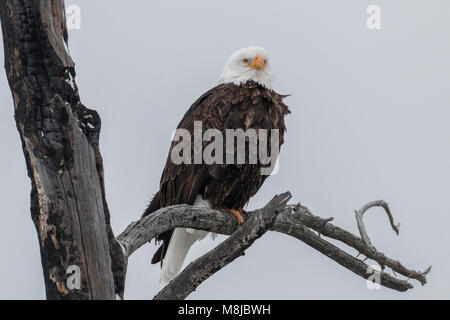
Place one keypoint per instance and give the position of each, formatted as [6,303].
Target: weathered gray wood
[201,269]
[53,18]
[297,221]
[304,234]
[67,197]
[142,231]
[72,216]
[322,226]
[359,220]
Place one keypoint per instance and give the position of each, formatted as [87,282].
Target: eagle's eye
[245,60]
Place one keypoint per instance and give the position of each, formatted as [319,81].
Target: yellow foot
[237,213]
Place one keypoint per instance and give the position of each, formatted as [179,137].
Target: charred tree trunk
[60,143]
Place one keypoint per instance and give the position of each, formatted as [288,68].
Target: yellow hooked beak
[258,63]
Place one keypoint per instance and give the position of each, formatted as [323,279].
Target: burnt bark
[59,137]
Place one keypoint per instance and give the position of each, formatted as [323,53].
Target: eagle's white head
[251,63]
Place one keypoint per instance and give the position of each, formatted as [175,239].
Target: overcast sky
[370,120]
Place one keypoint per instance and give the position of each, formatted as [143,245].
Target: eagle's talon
[237,213]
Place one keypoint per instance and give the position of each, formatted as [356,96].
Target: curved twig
[359,220]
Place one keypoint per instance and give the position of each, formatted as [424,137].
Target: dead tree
[81,257]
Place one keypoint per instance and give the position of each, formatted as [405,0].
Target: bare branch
[142,231]
[296,221]
[289,226]
[226,252]
[327,229]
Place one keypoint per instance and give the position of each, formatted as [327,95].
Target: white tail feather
[181,241]
[179,245]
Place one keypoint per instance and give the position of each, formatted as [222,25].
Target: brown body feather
[226,106]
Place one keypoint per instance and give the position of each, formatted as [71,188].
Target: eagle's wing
[180,183]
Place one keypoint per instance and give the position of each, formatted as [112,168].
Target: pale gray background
[370,120]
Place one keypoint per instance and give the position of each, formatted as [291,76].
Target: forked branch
[226,252]
[293,220]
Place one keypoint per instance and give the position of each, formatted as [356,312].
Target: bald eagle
[243,99]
